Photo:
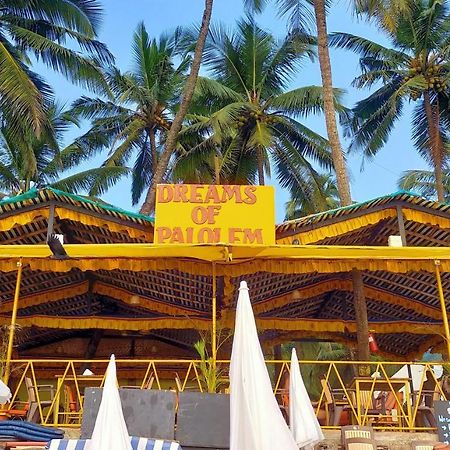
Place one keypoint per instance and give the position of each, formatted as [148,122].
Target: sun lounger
[136,444]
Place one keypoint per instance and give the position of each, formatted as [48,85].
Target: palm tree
[312,196]
[175,128]
[41,28]
[414,69]
[28,161]
[248,117]
[423,182]
[137,121]
[299,17]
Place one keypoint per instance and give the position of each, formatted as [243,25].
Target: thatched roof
[297,292]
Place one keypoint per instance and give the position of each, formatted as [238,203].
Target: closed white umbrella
[110,431]
[302,420]
[256,419]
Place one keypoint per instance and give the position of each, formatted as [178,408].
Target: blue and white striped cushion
[136,444]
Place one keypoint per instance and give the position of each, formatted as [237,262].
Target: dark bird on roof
[56,247]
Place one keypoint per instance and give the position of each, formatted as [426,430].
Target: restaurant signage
[210,214]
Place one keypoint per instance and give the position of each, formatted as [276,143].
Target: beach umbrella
[5,393]
[302,420]
[255,417]
[110,431]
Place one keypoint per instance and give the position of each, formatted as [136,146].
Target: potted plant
[203,418]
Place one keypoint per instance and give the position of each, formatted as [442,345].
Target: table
[86,380]
[365,387]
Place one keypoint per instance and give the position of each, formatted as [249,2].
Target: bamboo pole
[437,265]
[214,316]
[13,323]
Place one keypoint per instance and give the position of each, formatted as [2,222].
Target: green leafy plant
[210,372]
[4,334]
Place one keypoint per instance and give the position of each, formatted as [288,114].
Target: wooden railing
[51,391]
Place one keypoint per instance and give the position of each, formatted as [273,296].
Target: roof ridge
[35,192]
[358,205]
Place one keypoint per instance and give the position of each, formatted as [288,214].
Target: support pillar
[214,316]
[13,323]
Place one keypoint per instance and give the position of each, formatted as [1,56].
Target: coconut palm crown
[137,120]
[249,117]
[415,69]
[28,160]
[61,34]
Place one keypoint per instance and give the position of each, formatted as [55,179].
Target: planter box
[203,421]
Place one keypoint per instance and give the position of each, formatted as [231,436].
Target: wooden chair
[358,432]
[355,431]
[72,410]
[423,445]
[361,444]
[425,398]
[33,412]
[336,403]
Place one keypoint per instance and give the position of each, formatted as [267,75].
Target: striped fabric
[136,444]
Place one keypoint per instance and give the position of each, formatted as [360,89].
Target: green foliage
[210,373]
[135,110]
[53,31]
[312,196]
[30,161]
[414,69]
[423,182]
[246,117]
[4,335]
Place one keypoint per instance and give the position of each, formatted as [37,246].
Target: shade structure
[302,420]
[110,431]
[255,417]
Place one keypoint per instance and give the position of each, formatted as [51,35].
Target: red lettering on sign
[165,193]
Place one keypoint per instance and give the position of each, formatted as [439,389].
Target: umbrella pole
[13,323]
[437,265]
[214,316]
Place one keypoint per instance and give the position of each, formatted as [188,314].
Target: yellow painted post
[214,316]
[13,323]
[437,265]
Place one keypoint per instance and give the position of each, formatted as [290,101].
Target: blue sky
[121,18]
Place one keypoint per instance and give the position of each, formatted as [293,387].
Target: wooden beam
[92,346]
[50,222]
[401,225]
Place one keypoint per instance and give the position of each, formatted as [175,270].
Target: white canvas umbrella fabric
[302,420]
[110,431]
[256,419]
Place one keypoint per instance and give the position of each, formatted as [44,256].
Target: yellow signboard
[200,214]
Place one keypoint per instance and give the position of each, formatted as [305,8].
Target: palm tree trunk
[153,152]
[362,322]
[188,92]
[340,168]
[436,148]
[328,104]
